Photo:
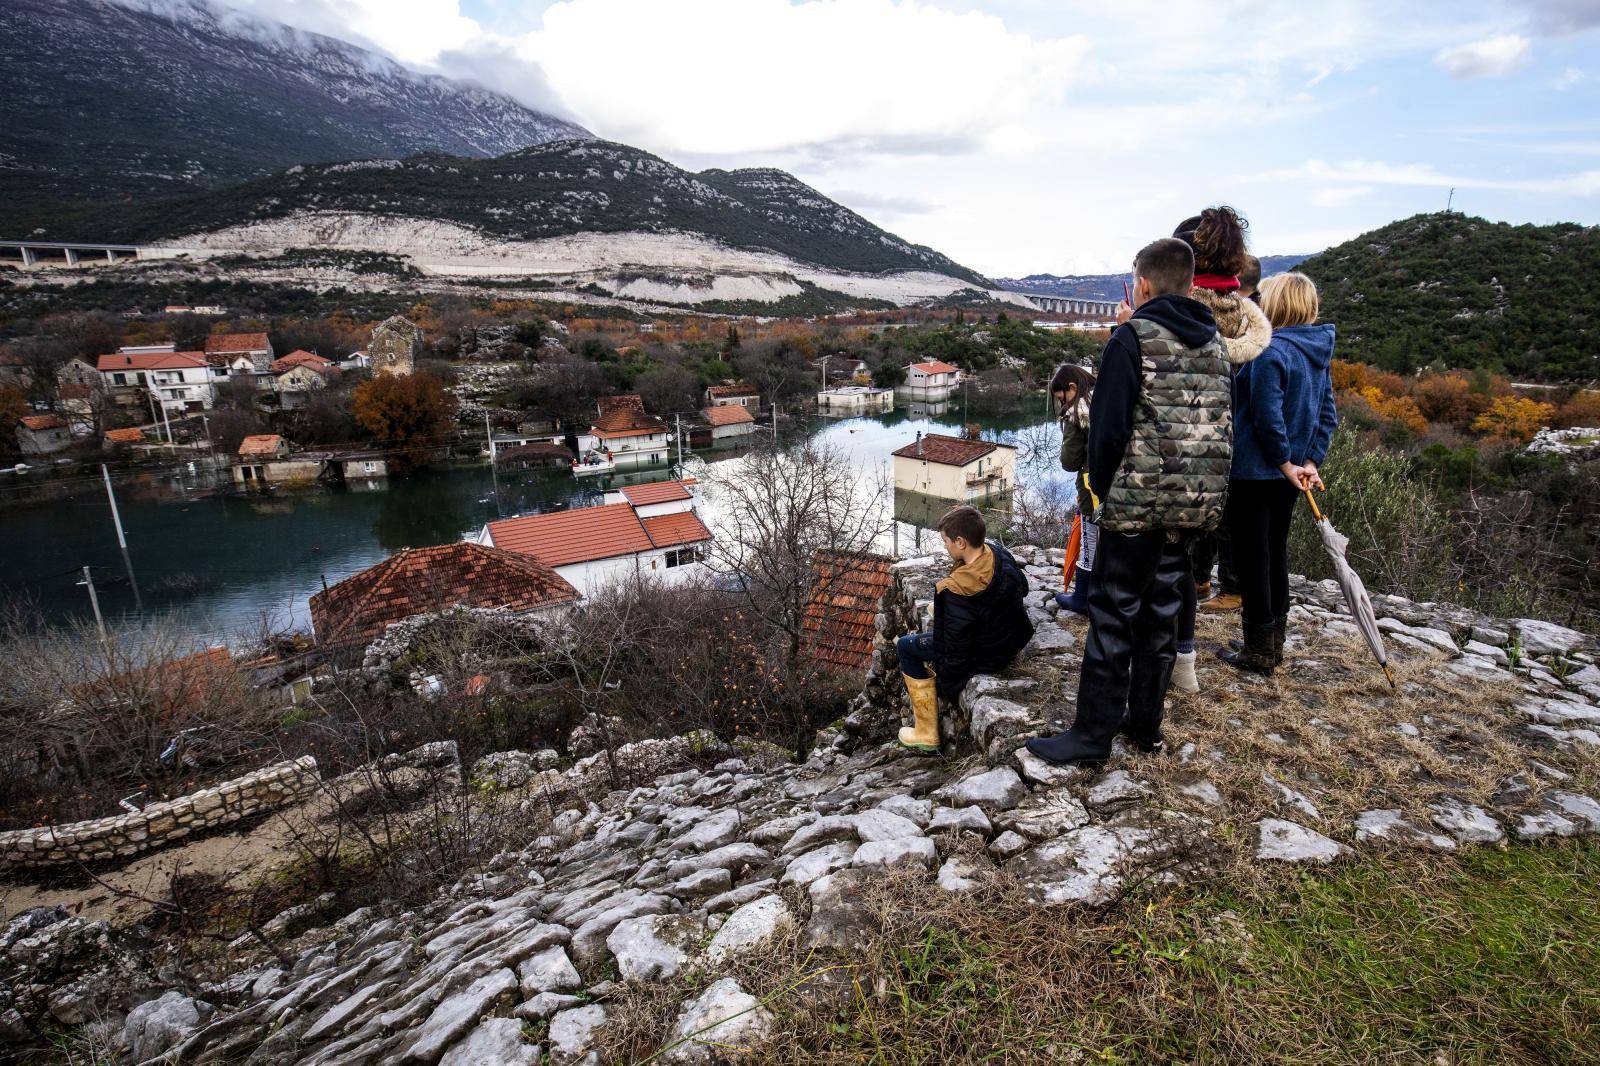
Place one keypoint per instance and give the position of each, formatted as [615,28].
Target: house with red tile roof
[43,434]
[738,393]
[299,373]
[424,580]
[625,434]
[730,422]
[241,351]
[958,469]
[929,382]
[640,531]
[181,381]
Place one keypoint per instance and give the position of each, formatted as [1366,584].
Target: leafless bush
[1041,513]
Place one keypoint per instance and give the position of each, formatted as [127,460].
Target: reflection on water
[218,564]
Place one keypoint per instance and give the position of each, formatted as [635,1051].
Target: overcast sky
[1023,136]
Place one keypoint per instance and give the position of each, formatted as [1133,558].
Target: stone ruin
[396,343]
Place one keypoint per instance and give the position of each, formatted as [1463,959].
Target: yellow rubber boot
[924,735]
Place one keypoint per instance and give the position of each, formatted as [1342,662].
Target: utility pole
[677,422]
[94,604]
[1451,200]
[488,435]
[825,373]
[774,421]
[116,519]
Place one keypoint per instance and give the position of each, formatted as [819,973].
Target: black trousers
[1133,628]
[1213,550]
[1258,518]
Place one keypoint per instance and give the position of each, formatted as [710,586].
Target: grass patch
[1489,956]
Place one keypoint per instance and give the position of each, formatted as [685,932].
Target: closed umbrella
[1355,593]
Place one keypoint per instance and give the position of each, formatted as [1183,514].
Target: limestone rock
[994,790]
[495,1042]
[819,863]
[918,811]
[1389,825]
[572,1031]
[1045,773]
[750,927]
[1546,638]
[456,1014]
[958,819]
[155,1027]
[1285,841]
[1117,788]
[642,952]
[1044,816]
[1007,845]
[959,875]
[839,918]
[548,971]
[722,1023]
[1092,864]
[713,832]
[915,851]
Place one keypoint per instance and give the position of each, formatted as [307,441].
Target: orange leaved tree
[1513,418]
[409,416]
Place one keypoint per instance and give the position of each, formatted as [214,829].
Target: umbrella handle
[1312,500]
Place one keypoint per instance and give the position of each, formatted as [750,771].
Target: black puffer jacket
[981,633]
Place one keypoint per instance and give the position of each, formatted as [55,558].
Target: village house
[43,434]
[742,393]
[78,371]
[79,404]
[625,434]
[179,381]
[266,459]
[929,382]
[241,351]
[301,372]
[355,361]
[729,423]
[954,468]
[415,581]
[641,531]
[850,400]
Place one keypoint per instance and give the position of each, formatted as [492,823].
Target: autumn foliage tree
[1514,419]
[409,416]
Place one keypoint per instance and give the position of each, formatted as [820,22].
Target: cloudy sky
[1022,136]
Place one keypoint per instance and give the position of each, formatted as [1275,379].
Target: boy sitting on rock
[979,625]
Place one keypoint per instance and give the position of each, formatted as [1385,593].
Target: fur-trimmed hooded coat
[1242,325]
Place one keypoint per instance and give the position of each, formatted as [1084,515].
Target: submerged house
[638,531]
[954,468]
[266,459]
[625,434]
[929,382]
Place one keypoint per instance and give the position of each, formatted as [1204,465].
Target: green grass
[1490,957]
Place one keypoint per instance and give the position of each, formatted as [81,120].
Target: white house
[930,381]
[642,531]
[955,468]
[43,434]
[626,434]
[179,381]
[855,400]
[742,393]
[729,422]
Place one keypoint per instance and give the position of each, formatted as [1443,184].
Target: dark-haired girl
[1070,387]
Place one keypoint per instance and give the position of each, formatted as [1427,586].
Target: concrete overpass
[1071,305]
[30,255]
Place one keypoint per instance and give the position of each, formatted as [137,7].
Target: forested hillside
[1462,293]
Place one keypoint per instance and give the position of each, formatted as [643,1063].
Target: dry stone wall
[125,835]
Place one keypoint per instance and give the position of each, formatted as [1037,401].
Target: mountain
[598,213]
[1465,293]
[126,100]
[1109,286]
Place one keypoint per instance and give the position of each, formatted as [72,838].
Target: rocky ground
[668,891]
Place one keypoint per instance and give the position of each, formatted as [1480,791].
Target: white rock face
[457,1014]
[750,927]
[572,1031]
[994,790]
[1546,638]
[1044,816]
[879,824]
[721,1023]
[642,952]
[495,1042]
[958,875]
[1388,825]
[713,832]
[1007,844]
[1045,773]
[914,810]
[1092,864]
[1116,787]
[914,851]
[819,863]
[548,971]
[957,819]
[152,1028]
[1283,841]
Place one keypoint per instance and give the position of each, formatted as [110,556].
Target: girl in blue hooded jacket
[1283,419]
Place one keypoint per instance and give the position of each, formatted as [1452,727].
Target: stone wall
[126,835]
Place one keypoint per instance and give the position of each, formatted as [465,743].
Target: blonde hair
[1290,300]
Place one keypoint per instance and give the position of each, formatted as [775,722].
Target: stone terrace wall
[125,835]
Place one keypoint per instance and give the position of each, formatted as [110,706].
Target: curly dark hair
[1217,236]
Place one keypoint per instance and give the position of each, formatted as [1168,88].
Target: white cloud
[1570,78]
[730,76]
[1488,58]
[1339,196]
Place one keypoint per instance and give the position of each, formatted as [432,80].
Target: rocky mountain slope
[688,898]
[1466,293]
[130,100]
[1109,286]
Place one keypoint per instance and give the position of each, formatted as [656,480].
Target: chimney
[919,444]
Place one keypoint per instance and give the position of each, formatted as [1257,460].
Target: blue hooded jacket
[1283,403]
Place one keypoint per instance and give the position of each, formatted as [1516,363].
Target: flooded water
[221,565]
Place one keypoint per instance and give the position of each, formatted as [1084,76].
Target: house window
[682,557]
[120,379]
[371,468]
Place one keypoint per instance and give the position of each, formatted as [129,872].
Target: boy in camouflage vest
[1160,449]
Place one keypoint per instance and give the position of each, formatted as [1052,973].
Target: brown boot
[923,736]
[1224,603]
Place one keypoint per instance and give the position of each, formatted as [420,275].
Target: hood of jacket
[1244,327]
[1314,342]
[993,574]
[972,577]
[1188,320]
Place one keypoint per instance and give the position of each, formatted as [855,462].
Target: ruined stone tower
[396,343]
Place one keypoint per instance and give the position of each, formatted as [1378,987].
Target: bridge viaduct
[1070,305]
[31,254]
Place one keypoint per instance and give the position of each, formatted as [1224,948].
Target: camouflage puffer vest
[1175,473]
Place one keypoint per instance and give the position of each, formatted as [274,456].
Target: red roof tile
[742,388]
[132,435]
[936,366]
[297,358]
[229,343]
[150,361]
[731,415]
[840,622]
[260,444]
[607,404]
[576,536]
[43,422]
[656,492]
[624,421]
[680,527]
[420,580]
[950,451]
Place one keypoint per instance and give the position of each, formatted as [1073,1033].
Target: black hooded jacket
[1116,389]
[981,633]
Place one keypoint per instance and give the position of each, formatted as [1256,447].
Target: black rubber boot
[1147,698]
[1258,655]
[1280,634]
[1086,745]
